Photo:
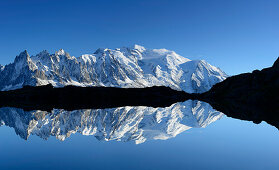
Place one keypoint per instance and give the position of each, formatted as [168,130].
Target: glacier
[126,67]
[137,124]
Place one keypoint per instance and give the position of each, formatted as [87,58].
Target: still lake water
[188,135]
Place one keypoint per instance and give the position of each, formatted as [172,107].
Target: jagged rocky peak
[127,67]
[2,67]
[60,52]
[22,56]
[99,50]
[139,48]
[63,54]
[43,53]
[24,53]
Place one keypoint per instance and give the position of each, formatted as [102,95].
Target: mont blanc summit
[126,67]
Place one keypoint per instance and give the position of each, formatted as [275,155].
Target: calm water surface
[189,135]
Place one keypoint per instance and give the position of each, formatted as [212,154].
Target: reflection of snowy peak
[122,124]
[122,67]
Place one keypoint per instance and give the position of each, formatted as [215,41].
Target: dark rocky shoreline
[74,98]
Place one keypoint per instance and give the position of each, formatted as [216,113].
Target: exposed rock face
[122,67]
[1,68]
[137,124]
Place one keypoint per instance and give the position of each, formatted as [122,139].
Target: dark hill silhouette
[249,96]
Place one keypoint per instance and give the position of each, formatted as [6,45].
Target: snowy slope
[122,67]
[137,124]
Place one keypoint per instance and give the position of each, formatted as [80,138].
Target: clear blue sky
[235,35]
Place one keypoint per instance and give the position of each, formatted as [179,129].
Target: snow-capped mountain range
[137,124]
[122,67]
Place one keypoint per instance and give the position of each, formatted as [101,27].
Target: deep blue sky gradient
[235,35]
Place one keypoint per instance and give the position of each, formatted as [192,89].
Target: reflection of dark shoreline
[255,113]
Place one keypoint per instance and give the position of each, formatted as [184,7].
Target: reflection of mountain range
[122,124]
